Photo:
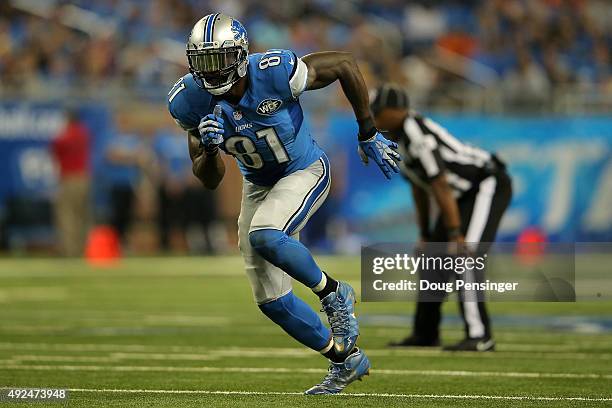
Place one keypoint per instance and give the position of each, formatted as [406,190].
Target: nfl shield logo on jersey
[237,115]
[269,106]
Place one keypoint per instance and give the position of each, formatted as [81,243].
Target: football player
[247,105]
[471,190]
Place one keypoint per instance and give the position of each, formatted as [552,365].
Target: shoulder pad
[277,68]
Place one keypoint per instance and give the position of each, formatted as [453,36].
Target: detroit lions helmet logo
[239,31]
[269,106]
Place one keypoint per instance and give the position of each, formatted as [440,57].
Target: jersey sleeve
[424,148]
[289,73]
[185,113]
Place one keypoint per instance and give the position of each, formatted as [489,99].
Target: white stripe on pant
[476,227]
[273,207]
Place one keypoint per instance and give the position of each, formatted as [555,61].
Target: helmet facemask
[217,69]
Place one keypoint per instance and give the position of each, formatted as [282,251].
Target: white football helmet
[217,51]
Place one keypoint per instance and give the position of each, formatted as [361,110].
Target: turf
[130,334]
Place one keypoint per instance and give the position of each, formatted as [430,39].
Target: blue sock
[288,254]
[298,320]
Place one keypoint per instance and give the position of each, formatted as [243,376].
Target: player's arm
[421,204]
[449,209]
[208,167]
[327,67]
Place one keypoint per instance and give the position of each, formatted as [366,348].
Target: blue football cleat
[340,309]
[342,374]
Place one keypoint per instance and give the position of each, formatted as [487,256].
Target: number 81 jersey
[265,131]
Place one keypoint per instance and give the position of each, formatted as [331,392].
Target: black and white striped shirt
[428,149]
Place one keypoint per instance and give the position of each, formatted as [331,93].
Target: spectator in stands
[127,47]
[526,86]
[71,151]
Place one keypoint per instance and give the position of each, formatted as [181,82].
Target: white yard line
[426,353]
[114,357]
[202,353]
[349,395]
[546,347]
[216,354]
[459,373]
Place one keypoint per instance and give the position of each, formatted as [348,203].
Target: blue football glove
[382,151]
[211,132]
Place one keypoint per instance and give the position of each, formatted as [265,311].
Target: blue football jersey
[265,132]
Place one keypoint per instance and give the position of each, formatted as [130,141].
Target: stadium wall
[561,169]
[561,166]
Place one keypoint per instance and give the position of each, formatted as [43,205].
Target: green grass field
[184,332]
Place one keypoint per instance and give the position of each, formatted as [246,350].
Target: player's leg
[501,201]
[474,208]
[481,215]
[272,287]
[285,210]
[283,213]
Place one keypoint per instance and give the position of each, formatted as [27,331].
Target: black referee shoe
[476,344]
[413,341]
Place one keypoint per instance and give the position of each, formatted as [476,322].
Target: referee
[471,189]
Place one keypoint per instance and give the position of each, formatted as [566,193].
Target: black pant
[171,214]
[194,206]
[481,210]
[122,202]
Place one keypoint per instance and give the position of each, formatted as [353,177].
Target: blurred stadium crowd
[494,56]
[528,47]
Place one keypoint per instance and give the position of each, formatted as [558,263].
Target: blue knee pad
[286,253]
[298,320]
[266,241]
